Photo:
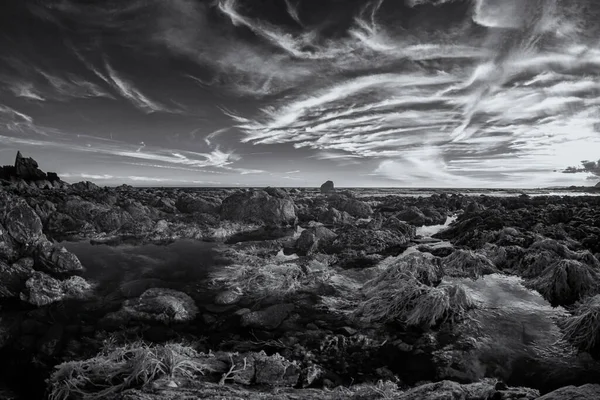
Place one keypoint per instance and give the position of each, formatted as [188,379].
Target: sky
[382,93]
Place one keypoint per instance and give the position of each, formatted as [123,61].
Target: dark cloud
[591,167]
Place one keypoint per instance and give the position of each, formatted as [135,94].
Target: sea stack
[327,187]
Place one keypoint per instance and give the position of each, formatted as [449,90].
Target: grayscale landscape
[292,199]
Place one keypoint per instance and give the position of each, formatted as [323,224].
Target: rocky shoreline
[316,294]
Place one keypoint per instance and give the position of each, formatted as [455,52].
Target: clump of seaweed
[582,329]
[409,301]
[269,280]
[468,264]
[566,282]
[120,367]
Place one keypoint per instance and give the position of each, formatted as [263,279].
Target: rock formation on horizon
[26,169]
[327,187]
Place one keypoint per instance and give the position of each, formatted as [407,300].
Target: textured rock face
[327,187]
[269,318]
[84,186]
[42,289]
[310,240]
[585,392]
[157,305]
[193,204]
[260,207]
[355,207]
[57,260]
[22,223]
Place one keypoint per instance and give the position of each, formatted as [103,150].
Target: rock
[585,392]
[307,243]
[7,245]
[312,238]
[158,305]
[27,169]
[327,187]
[56,260]
[334,217]
[448,390]
[275,371]
[86,186]
[208,319]
[195,204]
[413,216]
[53,177]
[7,331]
[51,342]
[112,220]
[259,207]
[354,240]
[21,222]
[41,289]
[269,318]
[13,277]
[227,297]
[354,207]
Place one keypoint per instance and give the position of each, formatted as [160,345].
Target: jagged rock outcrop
[27,169]
[25,174]
[31,267]
[327,187]
[271,207]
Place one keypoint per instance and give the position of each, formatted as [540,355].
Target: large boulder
[348,203]
[112,220]
[85,186]
[269,318]
[56,260]
[311,238]
[13,277]
[334,217]
[194,204]
[22,224]
[585,392]
[414,216]
[7,246]
[327,187]
[42,289]
[160,305]
[271,208]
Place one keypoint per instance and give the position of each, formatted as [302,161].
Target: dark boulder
[85,186]
[327,187]
[348,203]
[259,207]
[585,392]
[269,318]
[334,217]
[194,204]
[312,238]
[21,222]
[14,277]
[56,260]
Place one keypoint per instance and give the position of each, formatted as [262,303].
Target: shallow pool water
[131,269]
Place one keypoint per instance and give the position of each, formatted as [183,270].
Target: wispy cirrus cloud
[524,109]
